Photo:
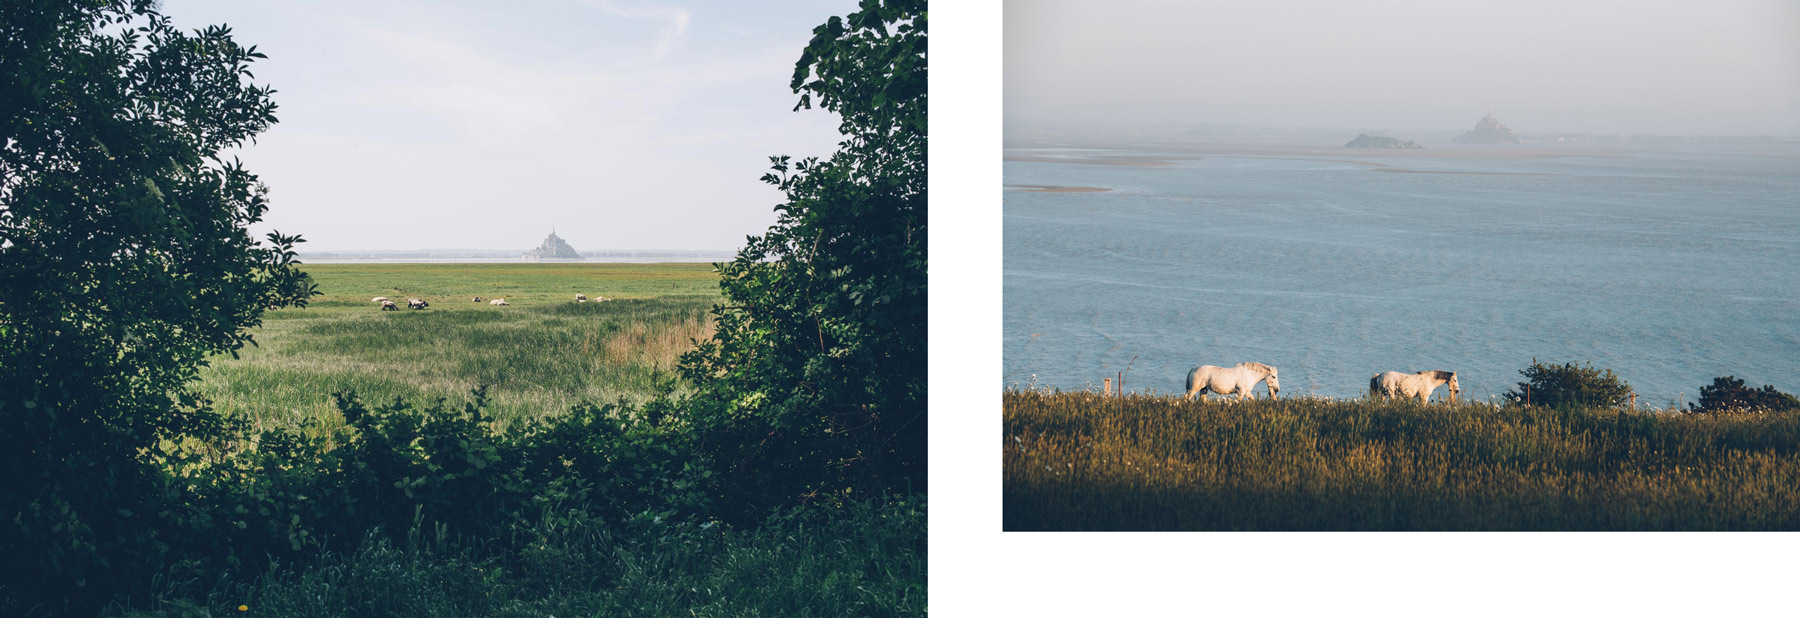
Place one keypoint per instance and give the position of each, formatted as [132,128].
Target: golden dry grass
[1078,461]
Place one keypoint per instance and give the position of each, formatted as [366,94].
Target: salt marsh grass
[537,357]
[1081,461]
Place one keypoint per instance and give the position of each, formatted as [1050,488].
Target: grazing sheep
[581,298]
[388,305]
[417,303]
[378,299]
[499,302]
[478,299]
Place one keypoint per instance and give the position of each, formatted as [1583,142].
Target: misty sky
[624,124]
[1605,66]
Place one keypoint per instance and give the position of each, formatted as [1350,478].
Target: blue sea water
[1669,266]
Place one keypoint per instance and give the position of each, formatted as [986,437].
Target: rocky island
[554,248]
[1488,131]
[1371,141]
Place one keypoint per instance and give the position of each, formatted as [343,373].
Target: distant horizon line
[1023,126]
[311,251]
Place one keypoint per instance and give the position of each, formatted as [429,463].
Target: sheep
[478,299]
[417,303]
[581,298]
[499,302]
[388,305]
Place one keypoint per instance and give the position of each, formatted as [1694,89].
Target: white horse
[1396,384]
[1240,380]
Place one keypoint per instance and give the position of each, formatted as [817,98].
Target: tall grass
[538,357]
[1081,461]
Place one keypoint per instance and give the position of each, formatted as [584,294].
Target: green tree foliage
[1729,393]
[124,262]
[1568,385]
[814,385]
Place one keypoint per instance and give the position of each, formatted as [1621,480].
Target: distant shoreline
[1056,189]
[514,260]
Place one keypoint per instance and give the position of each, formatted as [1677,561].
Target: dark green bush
[1729,393]
[1568,385]
[394,466]
[867,558]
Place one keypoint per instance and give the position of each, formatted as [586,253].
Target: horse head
[1454,387]
[1274,382]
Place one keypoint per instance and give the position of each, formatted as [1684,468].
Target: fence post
[1121,384]
[1108,387]
[1527,395]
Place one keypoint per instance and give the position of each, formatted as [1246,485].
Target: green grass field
[1080,461]
[539,356]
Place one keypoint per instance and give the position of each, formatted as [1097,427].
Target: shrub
[1568,385]
[1729,393]
[395,467]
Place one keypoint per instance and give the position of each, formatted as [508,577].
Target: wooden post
[1109,387]
[1122,374]
[1634,401]
[1527,395]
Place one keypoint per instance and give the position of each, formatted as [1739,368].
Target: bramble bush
[393,466]
[1566,385]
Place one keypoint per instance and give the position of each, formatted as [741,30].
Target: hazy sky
[625,124]
[1604,66]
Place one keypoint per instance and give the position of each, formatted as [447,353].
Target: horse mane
[1258,367]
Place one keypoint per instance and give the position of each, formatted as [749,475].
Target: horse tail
[1190,381]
